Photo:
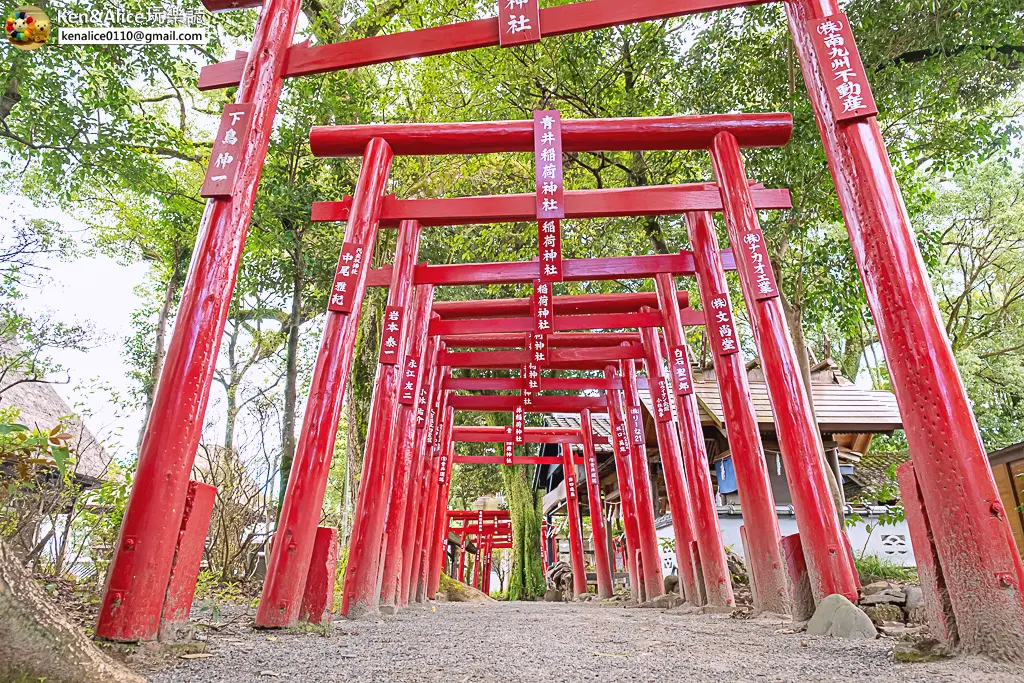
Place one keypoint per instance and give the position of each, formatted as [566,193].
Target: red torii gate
[563,438]
[640,521]
[497,534]
[680,132]
[946,447]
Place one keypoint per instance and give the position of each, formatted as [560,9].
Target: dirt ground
[547,642]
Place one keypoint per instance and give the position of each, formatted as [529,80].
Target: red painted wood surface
[838,60]
[430,375]
[141,566]
[362,572]
[300,509]
[658,200]
[829,564]
[956,482]
[578,135]
[937,605]
[518,22]
[630,302]
[570,357]
[764,558]
[318,596]
[400,451]
[675,482]
[472,514]
[435,473]
[595,502]
[711,551]
[562,323]
[541,404]
[424,454]
[195,525]
[514,383]
[226,154]
[613,268]
[530,435]
[519,459]
[555,340]
[306,59]
[440,539]
[572,512]
[624,476]
[650,556]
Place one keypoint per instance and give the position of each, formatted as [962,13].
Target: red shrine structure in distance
[971,572]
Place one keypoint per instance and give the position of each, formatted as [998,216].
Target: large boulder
[838,617]
[456,591]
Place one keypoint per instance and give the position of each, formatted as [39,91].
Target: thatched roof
[42,407]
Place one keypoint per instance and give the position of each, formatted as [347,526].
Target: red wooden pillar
[300,509]
[462,558]
[440,537]
[756,502]
[650,555]
[362,573]
[432,453]
[982,568]
[486,581]
[714,567]
[687,559]
[421,463]
[829,565]
[477,574]
[601,559]
[137,579]
[624,475]
[401,446]
[572,512]
[318,597]
[195,526]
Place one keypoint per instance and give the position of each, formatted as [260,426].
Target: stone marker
[836,616]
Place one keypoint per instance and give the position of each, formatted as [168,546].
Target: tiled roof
[599,421]
[843,408]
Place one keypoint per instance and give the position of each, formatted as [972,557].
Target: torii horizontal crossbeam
[530,434]
[504,359]
[627,302]
[578,135]
[474,514]
[575,270]
[518,460]
[540,404]
[562,323]
[659,200]
[515,384]
[558,340]
[306,59]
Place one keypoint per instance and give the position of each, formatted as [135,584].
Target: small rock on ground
[836,616]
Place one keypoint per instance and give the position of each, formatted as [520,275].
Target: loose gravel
[549,642]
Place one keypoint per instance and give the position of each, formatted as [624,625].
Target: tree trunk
[526,579]
[159,347]
[291,379]
[39,642]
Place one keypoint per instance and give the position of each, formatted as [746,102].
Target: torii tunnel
[971,572]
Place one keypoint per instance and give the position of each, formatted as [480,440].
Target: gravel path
[548,642]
